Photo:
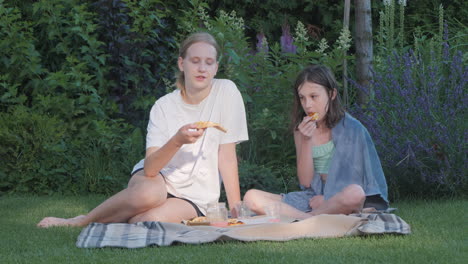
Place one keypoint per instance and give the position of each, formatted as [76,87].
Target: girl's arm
[227,164]
[156,158]
[305,163]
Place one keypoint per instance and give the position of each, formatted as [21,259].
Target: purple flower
[287,40]
[262,44]
[426,100]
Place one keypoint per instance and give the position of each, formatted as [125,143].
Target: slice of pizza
[206,124]
[234,222]
[314,116]
[200,220]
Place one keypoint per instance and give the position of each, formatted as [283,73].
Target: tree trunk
[345,62]
[364,53]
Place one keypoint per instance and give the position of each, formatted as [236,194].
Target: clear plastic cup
[273,212]
[243,211]
[217,214]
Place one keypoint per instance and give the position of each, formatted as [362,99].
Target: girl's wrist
[307,142]
[175,142]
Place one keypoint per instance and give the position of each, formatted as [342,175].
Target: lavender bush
[417,118]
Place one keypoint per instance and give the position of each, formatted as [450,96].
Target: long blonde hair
[189,41]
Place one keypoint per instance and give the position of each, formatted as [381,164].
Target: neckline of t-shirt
[202,103]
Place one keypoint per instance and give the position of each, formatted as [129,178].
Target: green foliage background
[78,77]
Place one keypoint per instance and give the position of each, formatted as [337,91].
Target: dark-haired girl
[338,168]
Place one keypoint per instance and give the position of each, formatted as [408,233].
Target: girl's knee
[252,199]
[354,195]
[146,196]
[250,195]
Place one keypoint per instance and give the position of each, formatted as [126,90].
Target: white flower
[301,33]
[323,45]
[402,2]
[204,17]
[344,41]
[231,19]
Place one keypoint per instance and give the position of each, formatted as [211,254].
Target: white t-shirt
[193,171]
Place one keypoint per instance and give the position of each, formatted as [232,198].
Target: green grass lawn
[440,232]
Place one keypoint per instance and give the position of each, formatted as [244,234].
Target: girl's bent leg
[349,200]
[256,200]
[173,210]
[143,194]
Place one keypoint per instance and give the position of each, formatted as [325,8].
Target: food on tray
[314,116]
[234,222]
[200,220]
[203,220]
[206,124]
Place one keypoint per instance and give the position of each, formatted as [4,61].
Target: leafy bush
[140,50]
[57,132]
[77,80]
[265,178]
[31,144]
[107,152]
[20,64]
[39,156]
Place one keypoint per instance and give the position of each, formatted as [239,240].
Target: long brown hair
[189,41]
[323,76]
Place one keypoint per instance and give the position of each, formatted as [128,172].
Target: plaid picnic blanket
[143,234]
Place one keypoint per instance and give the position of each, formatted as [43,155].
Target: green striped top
[322,155]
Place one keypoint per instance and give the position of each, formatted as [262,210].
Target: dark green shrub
[275,180]
[81,74]
[253,176]
[39,156]
[56,129]
[33,150]
[20,62]
[141,54]
[107,153]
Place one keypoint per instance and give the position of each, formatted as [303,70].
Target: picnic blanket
[143,234]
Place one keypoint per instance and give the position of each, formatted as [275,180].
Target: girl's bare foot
[55,221]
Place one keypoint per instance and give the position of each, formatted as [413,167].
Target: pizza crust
[234,222]
[200,220]
[206,124]
[314,116]
[203,220]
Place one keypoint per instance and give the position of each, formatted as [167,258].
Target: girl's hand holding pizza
[188,134]
[307,127]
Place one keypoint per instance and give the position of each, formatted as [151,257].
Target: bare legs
[349,200]
[256,200]
[173,210]
[142,195]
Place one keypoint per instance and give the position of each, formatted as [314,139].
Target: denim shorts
[300,200]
